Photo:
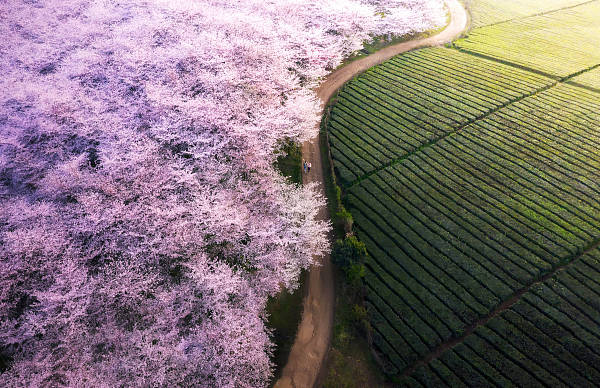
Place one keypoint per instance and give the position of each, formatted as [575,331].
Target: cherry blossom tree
[142,223]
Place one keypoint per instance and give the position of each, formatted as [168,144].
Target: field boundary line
[507,63]
[557,80]
[537,14]
[580,72]
[454,131]
[516,297]
[566,79]
[582,86]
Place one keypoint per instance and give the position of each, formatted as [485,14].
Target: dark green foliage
[285,311]
[549,337]
[349,254]
[289,162]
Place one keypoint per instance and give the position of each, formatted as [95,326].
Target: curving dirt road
[314,332]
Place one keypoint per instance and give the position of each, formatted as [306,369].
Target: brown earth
[310,348]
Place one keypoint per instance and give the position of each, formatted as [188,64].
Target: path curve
[314,332]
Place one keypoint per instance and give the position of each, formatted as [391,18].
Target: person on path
[309,165]
[304,165]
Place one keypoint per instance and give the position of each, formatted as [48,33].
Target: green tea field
[548,338]
[472,174]
[414,99]
[559,43]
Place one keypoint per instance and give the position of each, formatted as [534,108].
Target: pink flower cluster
[142,223]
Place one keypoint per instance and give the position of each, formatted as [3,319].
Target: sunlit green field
[558,43]
[486,12]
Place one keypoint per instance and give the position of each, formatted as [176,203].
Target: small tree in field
[349,254]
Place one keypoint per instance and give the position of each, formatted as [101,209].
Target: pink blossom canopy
[142,223]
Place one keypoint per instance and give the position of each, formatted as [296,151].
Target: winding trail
[310,348]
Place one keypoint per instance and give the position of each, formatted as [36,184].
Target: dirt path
[314,333]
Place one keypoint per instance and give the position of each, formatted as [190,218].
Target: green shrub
[338,195]
[344,217]
[349,254]
[359,313]
[289,161]
[355,273]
